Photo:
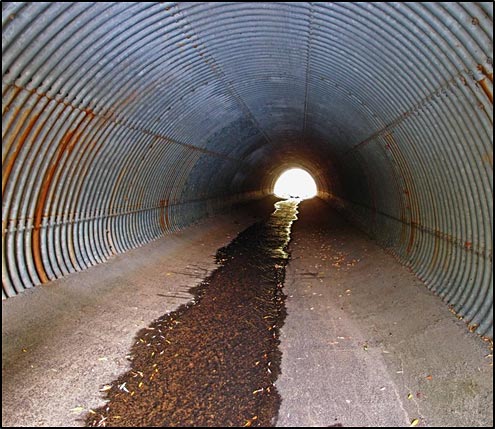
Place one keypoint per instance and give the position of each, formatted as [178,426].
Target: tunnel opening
[295,183]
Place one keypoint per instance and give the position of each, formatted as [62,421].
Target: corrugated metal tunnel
[122,122]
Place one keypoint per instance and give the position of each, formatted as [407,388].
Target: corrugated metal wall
[124,121]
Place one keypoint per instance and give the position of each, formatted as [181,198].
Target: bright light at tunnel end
[295,183]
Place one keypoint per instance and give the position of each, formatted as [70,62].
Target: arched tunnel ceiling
[124,121]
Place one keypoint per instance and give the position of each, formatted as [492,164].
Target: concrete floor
[61,342]
[361,332]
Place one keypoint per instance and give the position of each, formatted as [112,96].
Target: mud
[214,361]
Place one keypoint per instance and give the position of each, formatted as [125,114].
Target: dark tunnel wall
[125,121]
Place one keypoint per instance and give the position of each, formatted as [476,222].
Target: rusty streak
[41,201]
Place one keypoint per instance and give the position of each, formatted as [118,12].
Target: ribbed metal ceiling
[124,121]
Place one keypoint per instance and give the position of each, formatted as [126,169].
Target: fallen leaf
[77,409]
[105,388]
[414,422]
[429,377]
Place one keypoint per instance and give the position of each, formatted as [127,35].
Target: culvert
[123,122]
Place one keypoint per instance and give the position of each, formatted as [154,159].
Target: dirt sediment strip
[214,361]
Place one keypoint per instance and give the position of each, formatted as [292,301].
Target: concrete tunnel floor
[364,343]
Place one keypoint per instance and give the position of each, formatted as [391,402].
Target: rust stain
[71,141]
[411,236]
[89,113]
[483,70]
[391,145]
[40,204]
[164,215]
[486,88]
[404,222]
[403,228]
[140,199]
[436,248]
[468,245]
[15,92]
[488,157]
[72,252]
[409,203]
[7,168]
